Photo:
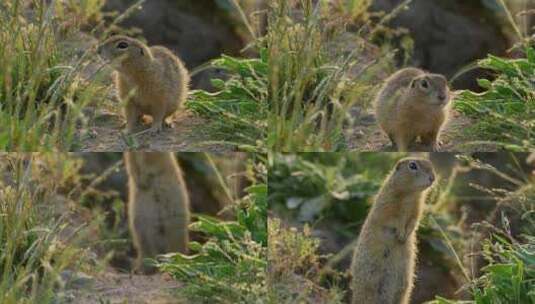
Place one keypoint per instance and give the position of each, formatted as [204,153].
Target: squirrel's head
[119,50]
[433,87]
[413,174]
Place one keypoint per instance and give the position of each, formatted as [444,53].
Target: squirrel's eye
[122,45]
[425,84]
[413,166]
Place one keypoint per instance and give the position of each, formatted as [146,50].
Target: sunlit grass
[237,112]
[33,252]
[504,114]
[313,83]
[42,91]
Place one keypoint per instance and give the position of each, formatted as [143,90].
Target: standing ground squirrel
[152,81]
[383,261]
[158,206]
[412,104]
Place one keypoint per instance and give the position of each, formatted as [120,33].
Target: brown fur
[383,261]
[158,206]
[152,81]
[407,110]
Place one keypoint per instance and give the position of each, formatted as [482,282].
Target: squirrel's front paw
[435,146]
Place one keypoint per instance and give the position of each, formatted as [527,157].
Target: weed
[238,111]
[34,248]
[503,114]
[295,269]
[314,80]
[508,250]
[230,267]
[42,92]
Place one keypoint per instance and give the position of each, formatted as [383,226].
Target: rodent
[383,261]
[412,104]
[158,205]
[152,81]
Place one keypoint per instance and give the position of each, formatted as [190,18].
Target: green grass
[33,247]
[313,78]
[295,270]
[54,219]
[42,93]
[302,83]
[509,276]
[230,267]
[44,87]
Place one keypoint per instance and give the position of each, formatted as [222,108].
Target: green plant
[318,72]
[230,267]
[238,111]
[508,247]
[295,271]
[509,277]
[317,185]
[33,246]
[42,91]
[503,114]
[80,13]
[356,9]
[301,83]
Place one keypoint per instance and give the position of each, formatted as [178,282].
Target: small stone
[77,280]
[92,133]
[358,134]
[367,120]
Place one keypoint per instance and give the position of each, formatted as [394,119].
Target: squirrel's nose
[442,97]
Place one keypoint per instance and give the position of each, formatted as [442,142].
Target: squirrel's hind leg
[157,122]
[431,139]
[133,116]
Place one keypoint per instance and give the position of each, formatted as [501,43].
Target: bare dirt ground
[366,135]
[112,287]
[105,134]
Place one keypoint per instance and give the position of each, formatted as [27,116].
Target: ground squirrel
[383,261]
[152,81]
[158,206]
[412,104]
